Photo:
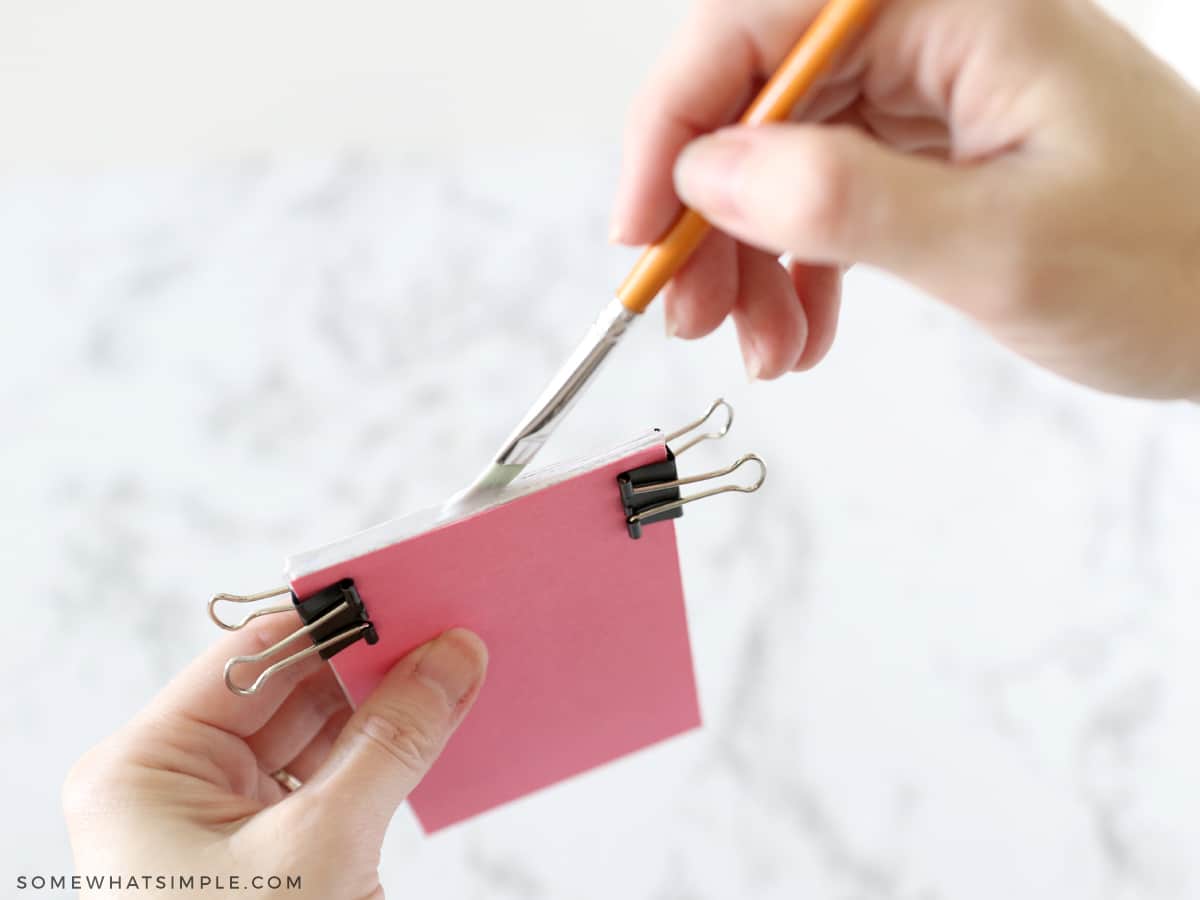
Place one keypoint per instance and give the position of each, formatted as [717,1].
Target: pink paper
[586,630]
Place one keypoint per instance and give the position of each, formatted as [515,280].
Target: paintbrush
[833,28]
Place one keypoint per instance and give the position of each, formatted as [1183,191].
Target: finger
[772,328]
[305,764]
[927,137]
[703,292]
[199,691]
[907,133]
[820,291]
[704,80]
[674,109]
[827,101]
[391,741]
[828,195]
[299,720]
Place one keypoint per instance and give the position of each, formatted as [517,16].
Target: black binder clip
[647,487]
[334,618]
[650,493]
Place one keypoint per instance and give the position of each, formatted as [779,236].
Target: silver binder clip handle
[248,598]
[288,661]
[333,618]
[696,479]
[719,433]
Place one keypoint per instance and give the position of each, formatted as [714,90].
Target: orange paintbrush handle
[833,28]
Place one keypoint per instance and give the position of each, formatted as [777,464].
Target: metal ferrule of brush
[607,331]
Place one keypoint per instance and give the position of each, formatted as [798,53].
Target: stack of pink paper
[585,627]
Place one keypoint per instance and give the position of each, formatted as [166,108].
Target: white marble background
[949,651]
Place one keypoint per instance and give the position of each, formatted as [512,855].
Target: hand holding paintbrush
[833,28]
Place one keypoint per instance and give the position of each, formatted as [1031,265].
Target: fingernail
[754,363]
[708,169]
[669,321]
[615,234]
[453,664]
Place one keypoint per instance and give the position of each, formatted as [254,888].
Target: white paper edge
[408,526]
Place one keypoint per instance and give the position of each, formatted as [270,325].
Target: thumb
[392,740]
[826,194]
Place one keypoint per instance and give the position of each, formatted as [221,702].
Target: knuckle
[652,101]
[404,734]
[636,116]
[1022,285]
[78,788]
[72,791]
[1032,226]
[307,816]
[328,699]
